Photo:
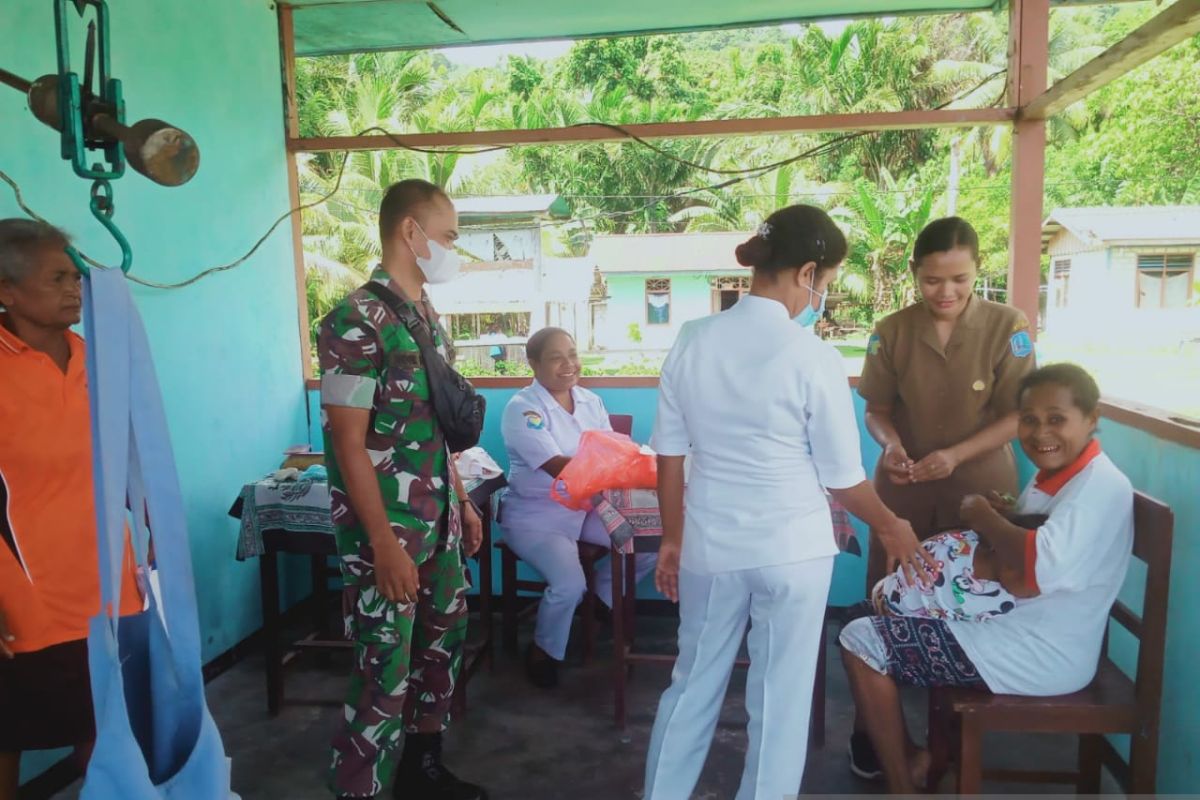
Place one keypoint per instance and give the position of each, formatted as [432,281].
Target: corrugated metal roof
[1133,225]
[508,290]
[667,252]
[529,205]
[508,286]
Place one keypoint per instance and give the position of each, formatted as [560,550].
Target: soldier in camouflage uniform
[401,515]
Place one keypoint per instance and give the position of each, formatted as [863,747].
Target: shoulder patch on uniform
[1020,324]
[1020,344]
[873,344]
[534,421]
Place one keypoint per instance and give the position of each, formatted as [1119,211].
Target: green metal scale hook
[102,209]
[89,115]
[72,98]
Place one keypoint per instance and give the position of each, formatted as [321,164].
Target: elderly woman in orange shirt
[49,578]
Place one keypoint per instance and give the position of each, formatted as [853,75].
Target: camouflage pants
[406,660]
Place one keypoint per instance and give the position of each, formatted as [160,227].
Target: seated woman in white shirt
[541,428]
[1072,566]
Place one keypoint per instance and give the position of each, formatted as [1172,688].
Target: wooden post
[1170,26]
[287,55]
[1029,33]
[763,126]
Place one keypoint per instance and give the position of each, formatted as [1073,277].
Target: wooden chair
[621,423]
[589,555]
[510,615]
[1111,704]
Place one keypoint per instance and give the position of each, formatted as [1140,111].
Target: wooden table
[320,547]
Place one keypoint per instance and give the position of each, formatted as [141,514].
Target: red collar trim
[1053,482]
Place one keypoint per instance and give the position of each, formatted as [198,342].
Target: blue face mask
[809,316]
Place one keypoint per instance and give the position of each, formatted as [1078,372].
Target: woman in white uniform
[541,428]
[763,407]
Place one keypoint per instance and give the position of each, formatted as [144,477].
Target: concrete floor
[526,744]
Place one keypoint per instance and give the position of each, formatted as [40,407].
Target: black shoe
[863,761]
[542,672]
[422,776]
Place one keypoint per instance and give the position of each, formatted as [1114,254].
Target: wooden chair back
[1153,538]
[621,423]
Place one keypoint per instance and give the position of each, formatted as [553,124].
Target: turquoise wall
[227,348]
[1171,473]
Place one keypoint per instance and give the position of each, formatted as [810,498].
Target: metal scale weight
[156,739]
[90,118]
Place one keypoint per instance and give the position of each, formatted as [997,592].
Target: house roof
[659,253]
[344,26]
[473,210]
[1130,225]
[509,286]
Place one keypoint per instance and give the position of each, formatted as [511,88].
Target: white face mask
[442,265]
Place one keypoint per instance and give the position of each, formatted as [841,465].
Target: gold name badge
[978,386]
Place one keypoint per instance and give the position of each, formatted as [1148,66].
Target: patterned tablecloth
[627,513]
[298,505]
[303,505]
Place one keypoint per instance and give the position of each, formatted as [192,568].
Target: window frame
[1060,268]
[1160,272]
[664,287]
[727,283]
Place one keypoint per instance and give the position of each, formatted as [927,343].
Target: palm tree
[392,92]
[884,222]
[1073,42]
[616,185]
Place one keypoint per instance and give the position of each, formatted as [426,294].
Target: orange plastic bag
[604,460]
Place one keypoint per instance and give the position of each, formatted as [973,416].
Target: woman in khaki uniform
[940,381]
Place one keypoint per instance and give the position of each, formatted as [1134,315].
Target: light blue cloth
[155,739]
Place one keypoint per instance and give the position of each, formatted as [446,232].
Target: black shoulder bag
[458,407]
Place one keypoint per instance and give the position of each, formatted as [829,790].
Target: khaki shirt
[939,398]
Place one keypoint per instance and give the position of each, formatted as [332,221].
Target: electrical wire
[449,151]
[740,175]
[777,165]
[223,268]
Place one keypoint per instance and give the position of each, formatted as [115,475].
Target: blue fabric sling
[155,738]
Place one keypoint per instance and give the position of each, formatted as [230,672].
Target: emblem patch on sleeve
[1020,344]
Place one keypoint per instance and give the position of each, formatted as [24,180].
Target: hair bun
[754,252]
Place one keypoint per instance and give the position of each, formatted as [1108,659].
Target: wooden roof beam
[1162,32]
[767,126]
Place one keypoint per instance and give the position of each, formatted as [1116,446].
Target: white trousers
[785,606]
[556,558]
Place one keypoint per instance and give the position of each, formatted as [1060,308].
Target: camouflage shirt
[369,360]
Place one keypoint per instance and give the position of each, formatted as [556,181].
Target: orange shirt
[49,574]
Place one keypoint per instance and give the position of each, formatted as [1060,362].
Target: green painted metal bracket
[71,94]
[102,209]
[71,98]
